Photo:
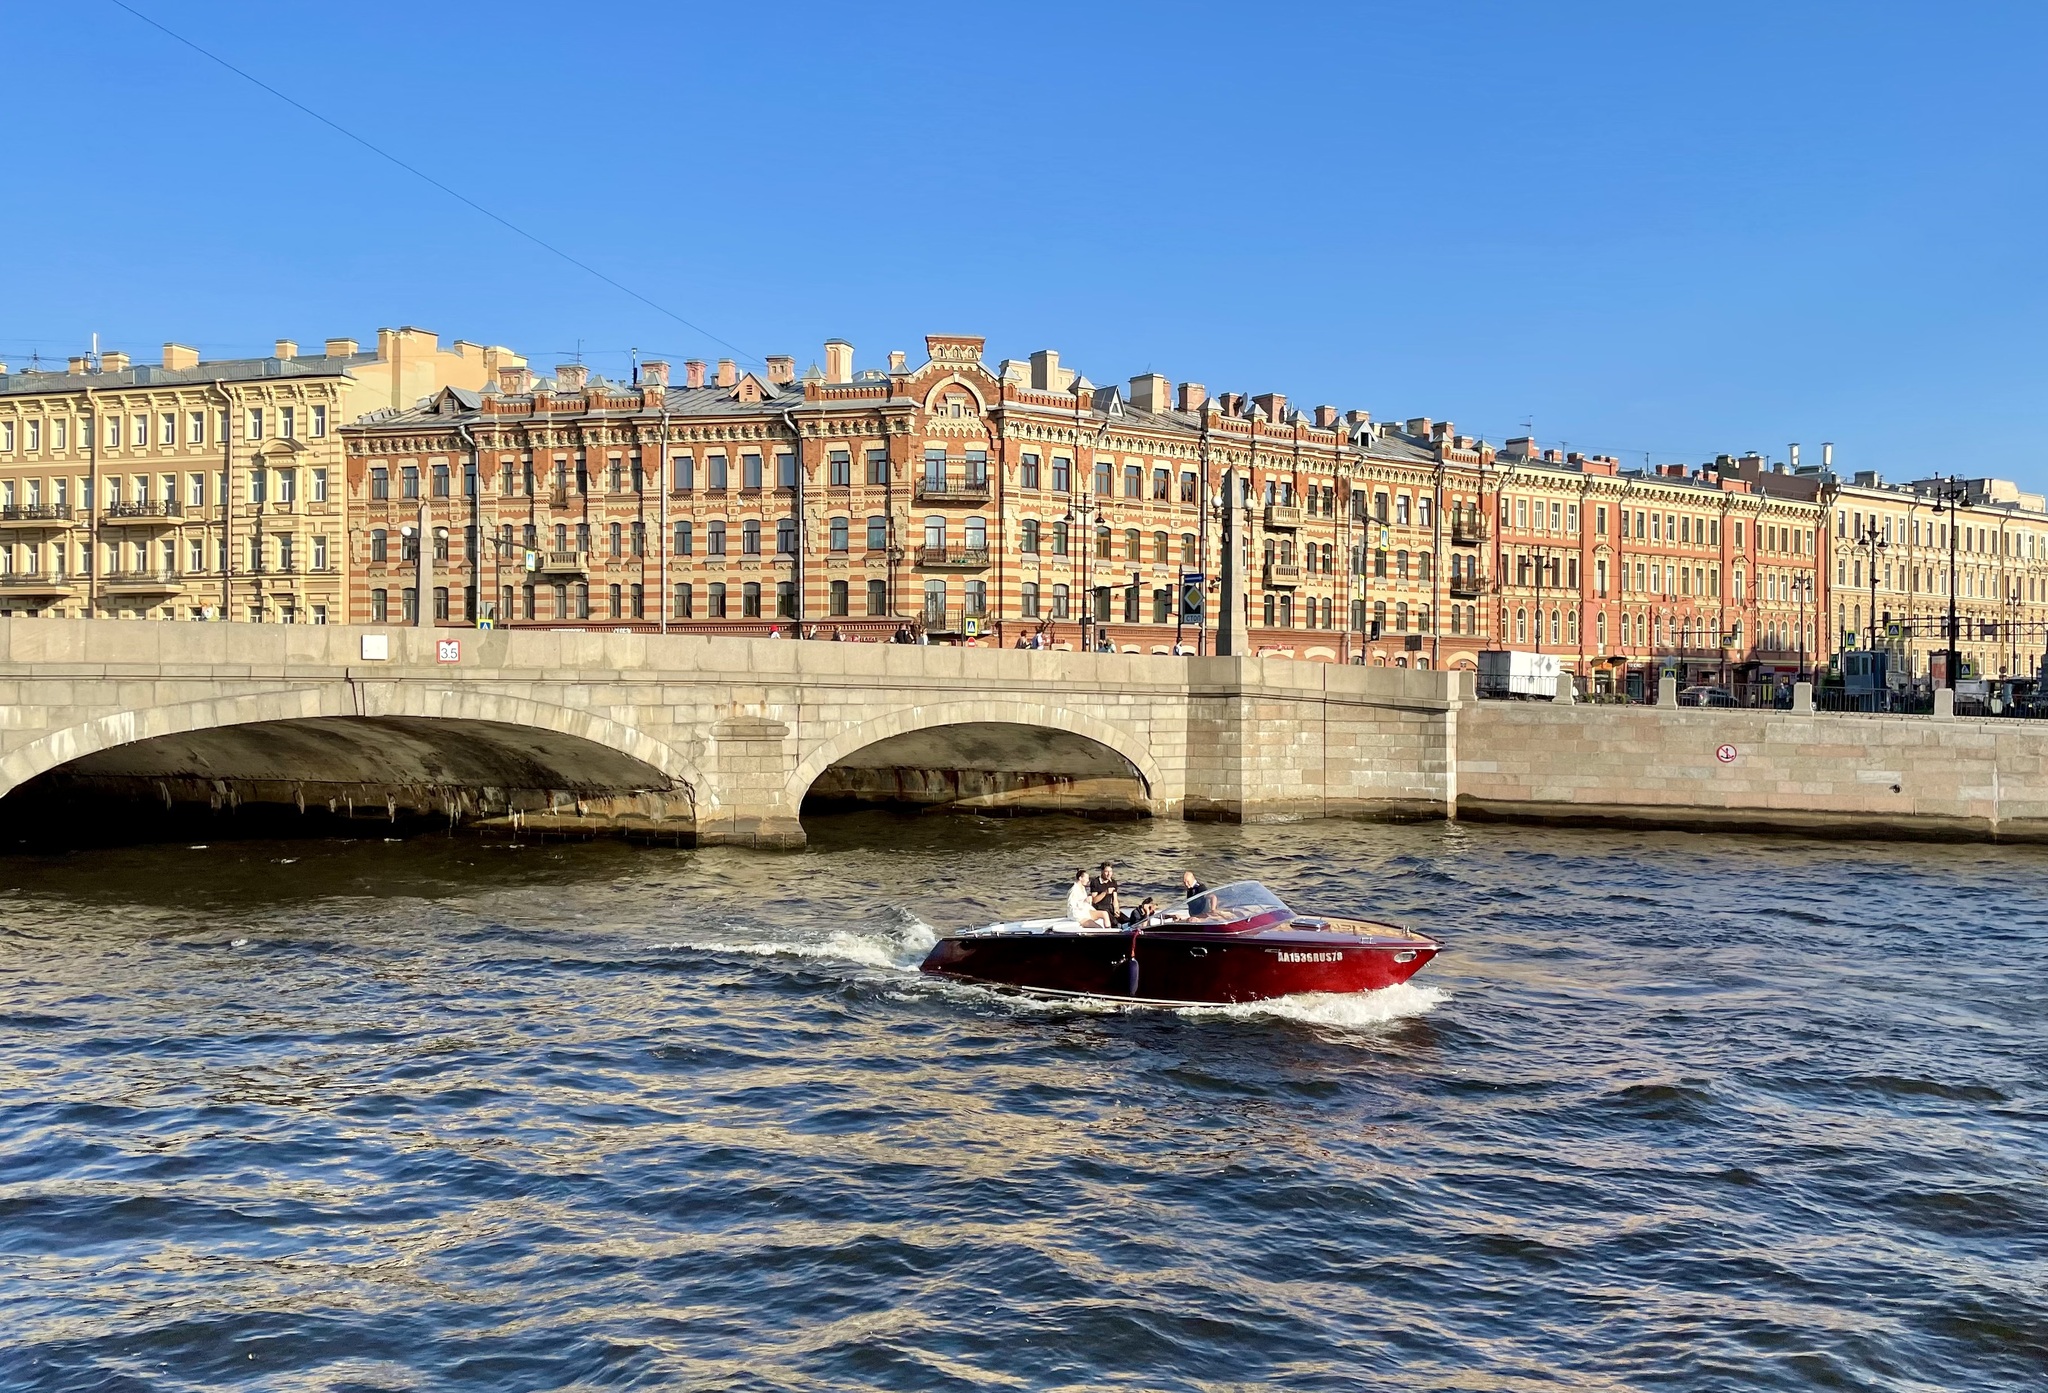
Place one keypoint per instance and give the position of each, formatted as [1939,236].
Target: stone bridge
[708,739]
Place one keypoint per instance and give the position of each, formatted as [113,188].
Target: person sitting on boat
[1103,890]
[1147,907]
[1081,905]
[1199,902]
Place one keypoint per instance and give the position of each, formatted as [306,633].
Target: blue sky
[1658,230]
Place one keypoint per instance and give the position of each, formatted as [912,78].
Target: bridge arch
[1158,791]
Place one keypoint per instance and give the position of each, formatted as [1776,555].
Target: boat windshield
[1229,904]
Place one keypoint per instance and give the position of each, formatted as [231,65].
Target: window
[1159,548]
[1188,557]
[878,466]
[440,544]
[750,600]
[1062,474]
[582,599]
[714,471]
[839,535]
[1105,478]
[684,539]
[785,536]
[616,478]
[166,430]
[1101,543]
[1059,602]
[1401,510]
[750,537]
[287,486]
[1059,539]
[714,537]
[380,543]
[1027,471]
[878,597]
[255,423]
[977,598]
[835,599]
[1029,537]
[380,606]
[750,478]
[614,602]
[1189,489]
[1162,485]
[1133,545]
[839,470]
[878,533]
[288,423]
[716,606]
[617,538]
[977,469]
[409,605]
[785,470]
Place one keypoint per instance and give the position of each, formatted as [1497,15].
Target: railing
[1282,515]
[565,563]
[1280,573]
[140,580]
[36,512]
[1468,531]
[953,558]
[41,581]
[114,512]
[931,490]
[1464,589]
[939,619]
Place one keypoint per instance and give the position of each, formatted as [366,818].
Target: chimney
[655,372]
[1443,430]
[342,348]
[897,361]
[1045,371]
[1192,395]
[781,369]
[1357,418]
[286,349]
[113,362]
[1326,418]
[693,372]
[1518,447]
[1271,405]
[514,381]
[838,361]
[177,355]
[1792,456]
[1232,403]
[728,373]
[570,377]
[77,365]
[1827,454]
[1151,392]
[1417,426]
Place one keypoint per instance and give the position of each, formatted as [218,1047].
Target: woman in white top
[1081,907]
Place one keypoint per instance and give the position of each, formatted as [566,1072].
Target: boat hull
[1180,968]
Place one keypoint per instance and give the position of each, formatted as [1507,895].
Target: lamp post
[1873,547]
[1802,586]
[1949,494]
[1080,513]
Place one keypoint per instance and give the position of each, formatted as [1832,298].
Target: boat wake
[1345,1010]
[897,947]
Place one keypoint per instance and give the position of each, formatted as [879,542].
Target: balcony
[1468,531]
[54,583]
[953,558]
[939,619]
[1281,575]
[143,513]
[1283,515]
[36,514]
[965,491]
[565,563]
[139,582]
[1467,588]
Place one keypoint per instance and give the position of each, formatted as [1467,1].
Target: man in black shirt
[1199,902]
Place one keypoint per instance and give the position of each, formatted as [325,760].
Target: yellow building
[197,489]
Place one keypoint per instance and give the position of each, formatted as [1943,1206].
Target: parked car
[1706,696]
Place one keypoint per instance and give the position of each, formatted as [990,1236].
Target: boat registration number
[1287,957]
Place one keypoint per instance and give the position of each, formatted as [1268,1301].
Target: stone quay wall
[1826,772]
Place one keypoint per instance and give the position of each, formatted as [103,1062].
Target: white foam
[901,949]
[1345,1010]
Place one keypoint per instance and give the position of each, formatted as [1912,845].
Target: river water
[1676,1112]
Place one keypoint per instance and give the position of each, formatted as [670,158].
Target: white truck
[1520,676]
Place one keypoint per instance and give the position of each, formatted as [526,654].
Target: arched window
[1379,563]
[1329,558]
[1521,626]
[1133,545]
[714,537]
[1059,539]
[1188,555]
[1422,565]
[1401,565]
[878,533]
[1401,617]
[977,534]
[1101,543]
[935,534]
[1160,553]
[840,537]
[1422,619]
[1571,626]
[1028,542]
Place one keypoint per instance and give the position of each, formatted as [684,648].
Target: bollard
[1667,691]
[1944,703]
[1802,698]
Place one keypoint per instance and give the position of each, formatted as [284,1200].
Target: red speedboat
[1238,942]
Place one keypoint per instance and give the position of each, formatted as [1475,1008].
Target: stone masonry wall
[1826,772]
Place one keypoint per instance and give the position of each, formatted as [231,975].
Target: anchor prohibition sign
[1726,754]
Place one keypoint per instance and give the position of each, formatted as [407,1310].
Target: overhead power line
[421,174]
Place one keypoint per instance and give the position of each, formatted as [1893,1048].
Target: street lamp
[1080,513]
[1802,589]
[1873,547]
[1949,494]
